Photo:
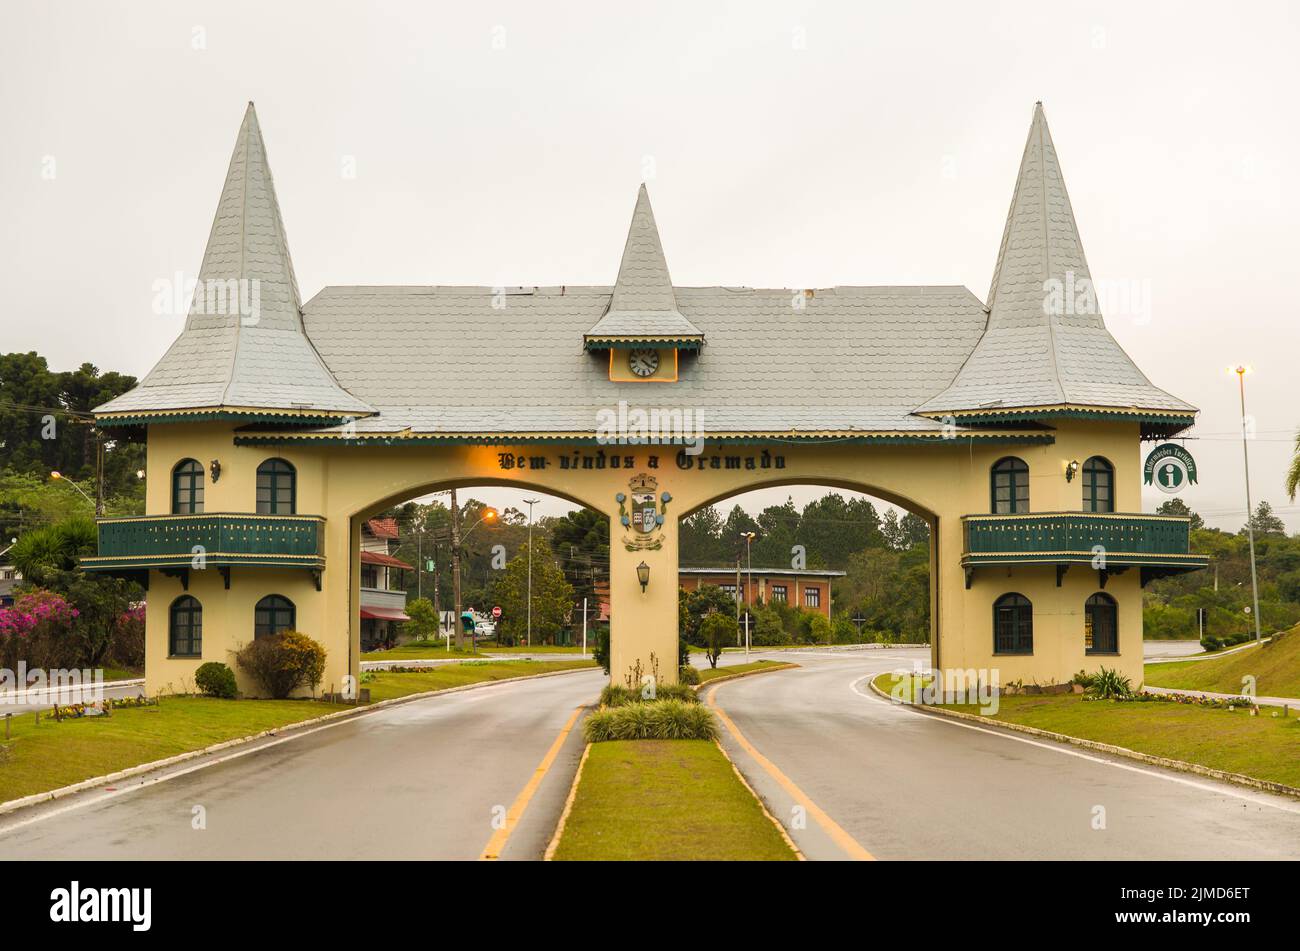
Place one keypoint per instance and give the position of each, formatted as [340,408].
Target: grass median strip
[713,673]
[666,800]
[1265,746]
[386,684]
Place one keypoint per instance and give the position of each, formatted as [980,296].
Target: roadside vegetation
[666,800]
[1264,746]
[1275,666]
[49,754]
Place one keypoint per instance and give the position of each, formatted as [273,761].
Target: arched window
[185,628]
[277,488]
[273,614]
[1013,625]
[1101,625]
[1010,486]
[1098,485]
[187,488]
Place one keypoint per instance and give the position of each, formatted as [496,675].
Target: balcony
[177,544]
[1110,542]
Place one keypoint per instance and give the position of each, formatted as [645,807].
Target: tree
[423,623]
[552,601]
[717,631]
[580,540]
[1179,507]
[695,606]
[1264,522]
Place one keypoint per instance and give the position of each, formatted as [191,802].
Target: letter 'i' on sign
[1169,468]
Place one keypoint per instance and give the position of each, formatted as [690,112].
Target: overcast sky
[785,145]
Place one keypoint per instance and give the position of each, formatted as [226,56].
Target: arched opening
[1098,485]
[1009,486]
[808,562]
[273,614]
[1013,624]
[1101,624]
[185,628]
[545,566]
[277,488]
[187,488]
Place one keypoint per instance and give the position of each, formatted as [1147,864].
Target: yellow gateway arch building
[1013,427]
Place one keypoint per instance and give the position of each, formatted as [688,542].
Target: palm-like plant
[56,547]
[1293,474]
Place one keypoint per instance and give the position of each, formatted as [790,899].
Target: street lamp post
[489,515]
[1241,371]
[528,636]
[749,583]
[99,506]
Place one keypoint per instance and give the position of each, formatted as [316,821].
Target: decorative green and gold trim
[1100,540]
[241,414]
[798,437]
[632,341]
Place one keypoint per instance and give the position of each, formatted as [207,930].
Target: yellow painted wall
[941,482]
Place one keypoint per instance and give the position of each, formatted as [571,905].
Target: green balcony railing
[1065,538]
[209,540]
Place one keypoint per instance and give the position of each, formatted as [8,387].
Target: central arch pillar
[643,624]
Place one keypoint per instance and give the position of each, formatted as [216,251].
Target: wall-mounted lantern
[1071,468]
[643,575]
[215,468]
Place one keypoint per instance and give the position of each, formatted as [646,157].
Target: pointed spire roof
[1046,345]
[643,307]
[243,349]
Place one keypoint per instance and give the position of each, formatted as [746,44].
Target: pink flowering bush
[126,649]
[36,629]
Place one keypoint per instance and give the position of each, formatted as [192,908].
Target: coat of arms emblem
[641,509]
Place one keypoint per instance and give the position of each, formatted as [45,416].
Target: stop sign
[496,611]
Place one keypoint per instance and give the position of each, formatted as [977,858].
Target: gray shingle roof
[1028,357]
[443,359]
[228,357]
[643,303]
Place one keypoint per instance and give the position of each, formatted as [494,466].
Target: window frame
[277,471]
[1095,601]
[812,594]
[274,609]
[190,470]
[1093,466]
[779,593]
[1016,472]
[190,606]
[1022,622]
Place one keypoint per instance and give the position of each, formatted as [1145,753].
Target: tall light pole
[528,637]
[749,582]
[99,506]
[457,538]
[1241,370]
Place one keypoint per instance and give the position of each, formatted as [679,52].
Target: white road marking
[1067,751]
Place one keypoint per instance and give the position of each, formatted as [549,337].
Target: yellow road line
[496,845]
[837,834]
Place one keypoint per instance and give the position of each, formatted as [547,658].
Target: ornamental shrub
[653,720]
[281,663]
[215,679]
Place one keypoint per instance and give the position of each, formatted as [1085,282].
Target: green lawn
[385,685]
[1275,667]
[418,650]
[54,754]
[1265,747]
[712,673]
[538,648]
[665,800]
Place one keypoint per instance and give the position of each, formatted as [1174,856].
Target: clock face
[644,361]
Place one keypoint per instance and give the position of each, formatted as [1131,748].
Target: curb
[778,665]
[549,854]
[14,805]
[1182,766]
